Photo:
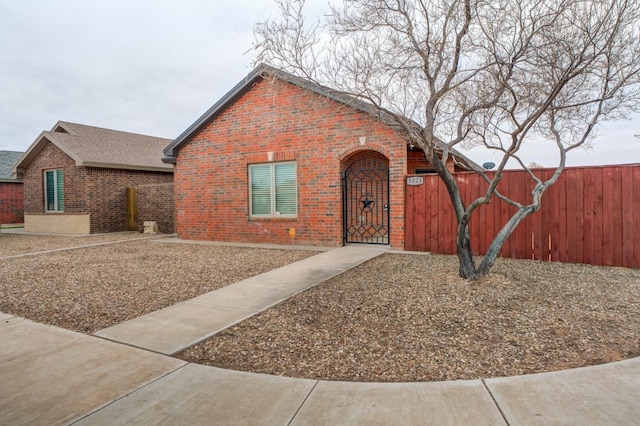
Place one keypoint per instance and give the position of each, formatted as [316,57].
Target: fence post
[132,209]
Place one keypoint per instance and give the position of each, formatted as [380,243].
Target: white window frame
[56,188]
[272,189]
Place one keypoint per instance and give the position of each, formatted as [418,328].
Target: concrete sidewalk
[177,327]
[53,376]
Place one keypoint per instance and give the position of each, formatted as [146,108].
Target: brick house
[279,155]
[75,177]
[11,189]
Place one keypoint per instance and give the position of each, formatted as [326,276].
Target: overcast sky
[153,67]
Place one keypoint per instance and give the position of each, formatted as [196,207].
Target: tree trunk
[463,241]
[468,269]
[501,237]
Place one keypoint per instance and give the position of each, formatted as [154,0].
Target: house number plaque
[415,180]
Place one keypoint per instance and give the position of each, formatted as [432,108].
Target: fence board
[408,214]
[627,216]
[543,231]
[579,216]
[586,217]
[504,217]
[530,245]
[635,236]
[480,244]
[617,218]
[495,213]
[440,237]
[520,232]
[132,209]
[433,217]
[608,232]
[422,225]
[562,222]
[569,178]
[597,217]
[588,204]
[448,243]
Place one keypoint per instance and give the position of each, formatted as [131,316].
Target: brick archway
[365,198]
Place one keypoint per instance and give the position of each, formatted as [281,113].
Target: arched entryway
[365,198]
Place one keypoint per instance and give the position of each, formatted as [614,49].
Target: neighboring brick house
[76,176]
[280,155]
[11,189]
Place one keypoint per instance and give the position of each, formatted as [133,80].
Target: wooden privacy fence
[588,216]
[132,209]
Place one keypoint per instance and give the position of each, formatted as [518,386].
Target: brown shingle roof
[8,159]
[97,147]
[259,73]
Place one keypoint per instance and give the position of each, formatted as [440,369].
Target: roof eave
[65,126]
[171,151]
[30,154]
[96,164]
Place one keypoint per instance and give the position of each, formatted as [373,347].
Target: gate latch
[386,208]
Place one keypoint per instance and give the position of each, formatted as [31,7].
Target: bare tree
[459,73]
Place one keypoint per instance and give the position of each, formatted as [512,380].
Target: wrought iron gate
[365,192]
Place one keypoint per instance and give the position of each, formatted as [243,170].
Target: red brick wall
[11,202]
[211,176]
[51,157]
[105,191]
[417,160]
[97,191]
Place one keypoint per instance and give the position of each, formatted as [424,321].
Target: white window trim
[55,191]
[273,214]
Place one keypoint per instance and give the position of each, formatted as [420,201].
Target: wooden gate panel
[132,209]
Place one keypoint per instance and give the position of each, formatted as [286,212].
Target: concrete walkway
[177,327]
[52,376]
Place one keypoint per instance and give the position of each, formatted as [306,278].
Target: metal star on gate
[367,203]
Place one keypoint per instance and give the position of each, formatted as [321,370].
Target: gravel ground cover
[16,244]
[92,288]
[403,318]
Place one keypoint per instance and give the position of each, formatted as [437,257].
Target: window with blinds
[54,190]
[273,190]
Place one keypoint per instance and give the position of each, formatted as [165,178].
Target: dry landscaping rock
[93,288]
[404,318]
[396,318]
